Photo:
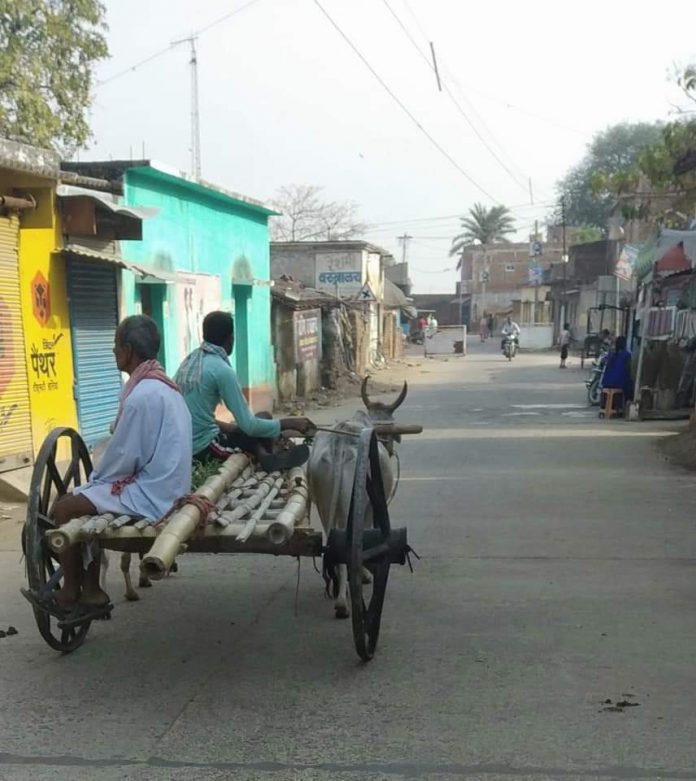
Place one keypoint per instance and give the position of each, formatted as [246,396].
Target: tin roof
[28,159]
[117,169]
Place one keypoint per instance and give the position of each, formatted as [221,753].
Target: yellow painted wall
[46,332]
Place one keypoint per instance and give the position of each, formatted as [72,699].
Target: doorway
[242,296]
[151,298]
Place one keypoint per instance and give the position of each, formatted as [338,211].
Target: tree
[48,49]
[660,185]
[306,217]
[586,234]
[483,226]
[612,150]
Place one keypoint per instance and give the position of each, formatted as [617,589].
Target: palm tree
[483,226]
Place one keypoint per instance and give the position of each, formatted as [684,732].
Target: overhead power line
[401,105]
[135,66]
[495,98]
[171,46]
[226,16]
[376,225]
[431,66]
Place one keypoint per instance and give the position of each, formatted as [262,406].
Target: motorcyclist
[510,330]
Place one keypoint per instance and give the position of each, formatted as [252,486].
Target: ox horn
[399,399]
[363,393]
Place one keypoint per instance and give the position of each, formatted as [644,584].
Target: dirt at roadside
[12,516]
[382,381]
[681,449]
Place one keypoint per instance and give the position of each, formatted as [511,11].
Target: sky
[284,99]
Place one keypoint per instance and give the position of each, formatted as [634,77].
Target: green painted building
[204,248]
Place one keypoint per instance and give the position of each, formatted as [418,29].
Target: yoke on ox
[260,514]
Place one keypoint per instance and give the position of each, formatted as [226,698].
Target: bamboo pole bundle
[143,523]
[225,503]
[281,530]
[244,489]
[303,542]
[252,502]
[225,500]
[122,520]
[261,509]
[150,532]
[97,523]
[133,539]
[182,524]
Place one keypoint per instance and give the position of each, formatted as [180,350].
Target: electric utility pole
[404,240]
[195,114]
[564,259]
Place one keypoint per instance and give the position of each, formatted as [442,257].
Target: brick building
[494,277]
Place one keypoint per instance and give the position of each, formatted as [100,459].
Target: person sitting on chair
[144,469]
[207,379]
[617,373]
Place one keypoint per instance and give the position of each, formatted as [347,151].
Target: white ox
[331,469]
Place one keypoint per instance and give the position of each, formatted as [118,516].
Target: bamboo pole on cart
[280,531]
[183,522]
[133,539]
[263,502]
[59,540]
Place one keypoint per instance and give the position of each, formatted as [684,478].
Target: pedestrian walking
[483,327]
[564,344]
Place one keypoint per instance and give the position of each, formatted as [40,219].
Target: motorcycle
[416,336]
[510,347]
[596,379]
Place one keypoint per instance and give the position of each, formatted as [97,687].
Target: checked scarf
[190,373]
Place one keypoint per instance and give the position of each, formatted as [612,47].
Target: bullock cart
[238,510]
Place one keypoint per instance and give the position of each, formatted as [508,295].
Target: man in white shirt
[145,467]
[510,328]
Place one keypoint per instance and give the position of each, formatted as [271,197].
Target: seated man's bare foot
[94,597]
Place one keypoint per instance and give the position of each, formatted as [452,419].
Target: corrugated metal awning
[146,274]
[111,202]
[393,296]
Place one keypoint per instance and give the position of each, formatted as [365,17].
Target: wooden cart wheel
[368,494]
[44,572]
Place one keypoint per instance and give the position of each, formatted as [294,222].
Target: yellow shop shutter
[15,420]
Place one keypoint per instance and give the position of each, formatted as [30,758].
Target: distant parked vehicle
[596,378]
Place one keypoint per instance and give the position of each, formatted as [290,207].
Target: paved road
[558,571]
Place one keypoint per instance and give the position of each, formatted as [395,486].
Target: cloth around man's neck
[147,370]
[190,373]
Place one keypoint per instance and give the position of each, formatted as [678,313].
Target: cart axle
[394,548]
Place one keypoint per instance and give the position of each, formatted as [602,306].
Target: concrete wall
[374,275]
[297,263]
[51,394]
[202,232]
[536,337]
[392,336]
[300,262]
[293,379]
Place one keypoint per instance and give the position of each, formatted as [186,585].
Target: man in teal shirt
[207,379]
